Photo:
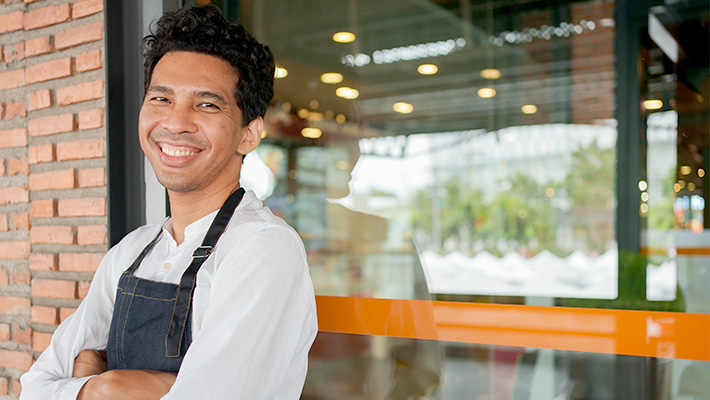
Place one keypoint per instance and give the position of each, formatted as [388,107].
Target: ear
[251,136]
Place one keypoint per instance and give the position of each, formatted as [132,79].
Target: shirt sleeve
[258,327]
[87,328]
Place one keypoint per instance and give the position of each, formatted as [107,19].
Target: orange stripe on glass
[638,333]
[680,251]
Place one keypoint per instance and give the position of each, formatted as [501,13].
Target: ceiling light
[340,118]
[490,73]
[427,69]
[280,72]
[315,116]
[652,104]
[311,133]
[402,107]
[302,113]
[263,134]
[347,92]
[314,104]
[486,93]
[331,77]
[685,170]
[343,37]
[529,109]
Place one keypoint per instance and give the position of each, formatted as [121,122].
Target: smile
[174,151]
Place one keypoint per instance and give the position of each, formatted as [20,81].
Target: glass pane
[470,152]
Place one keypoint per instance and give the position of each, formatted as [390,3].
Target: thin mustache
[186,140]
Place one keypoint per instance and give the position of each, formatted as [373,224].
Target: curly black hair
[203,29]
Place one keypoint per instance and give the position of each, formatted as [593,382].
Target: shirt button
[167,266]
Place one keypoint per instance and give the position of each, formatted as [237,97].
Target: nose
[179,119]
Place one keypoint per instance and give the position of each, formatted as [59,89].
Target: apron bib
[151,323]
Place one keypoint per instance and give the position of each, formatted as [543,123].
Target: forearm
[127,384]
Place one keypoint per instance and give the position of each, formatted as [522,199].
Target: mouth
[177,151]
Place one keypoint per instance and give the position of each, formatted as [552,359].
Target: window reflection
[472,151]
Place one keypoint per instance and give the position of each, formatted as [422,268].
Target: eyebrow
[202,94]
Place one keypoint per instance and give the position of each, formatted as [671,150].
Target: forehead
[194,70]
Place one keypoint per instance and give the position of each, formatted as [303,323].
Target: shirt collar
[197,228]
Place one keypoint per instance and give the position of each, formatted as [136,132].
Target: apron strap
[179,319]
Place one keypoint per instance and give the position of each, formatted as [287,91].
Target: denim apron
[151,324]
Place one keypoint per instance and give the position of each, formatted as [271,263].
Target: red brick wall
[52,170]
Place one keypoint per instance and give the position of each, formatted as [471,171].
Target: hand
[127,384]
[89,362]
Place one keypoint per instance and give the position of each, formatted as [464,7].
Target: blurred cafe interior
[499,199]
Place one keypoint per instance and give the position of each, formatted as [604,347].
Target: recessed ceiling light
[427,69]
[280,72]
[343,37]
[311,133]
[529,109]
[402,107]
[490,73]
[653,104]
[347,92]
[486,93]
[331,77]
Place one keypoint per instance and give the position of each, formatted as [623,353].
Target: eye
[209,105]
[160,99]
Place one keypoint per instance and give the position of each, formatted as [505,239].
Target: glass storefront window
[442,157]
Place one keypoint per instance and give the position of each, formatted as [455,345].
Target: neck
[188,207]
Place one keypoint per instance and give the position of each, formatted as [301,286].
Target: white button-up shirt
[253,316]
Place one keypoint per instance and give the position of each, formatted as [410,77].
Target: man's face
[190,125]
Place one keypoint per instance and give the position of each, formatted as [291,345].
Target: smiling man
[217,302]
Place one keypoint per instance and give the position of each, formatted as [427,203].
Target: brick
[17,250]
[12,79]
[45,208]
[88,61]
[2,167]
[84,207]
[41,153]
[79,35]
[21,360]
[54,288]
[49,70]
[80,149]
[79,262]
[51,125]
[14,52]
[17,166]
[40,99]
[43,262]
[14,305]
[20,221]
[82,289]
[81,92]
[15,109]
[13,138]
[47,16]
[21,277]
[91,234]
[91,119]
[3,223]
[64,313]
[92,177]
[2,107]
[82,8]
[4,277]
[11,21]
[52,234]
[22,335]
[62,179]
[37,46]
[41,340]
[44,315]
[14,195]
[16,386]
[4,333]
[3,386]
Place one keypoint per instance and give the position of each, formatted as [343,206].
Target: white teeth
[177,153]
